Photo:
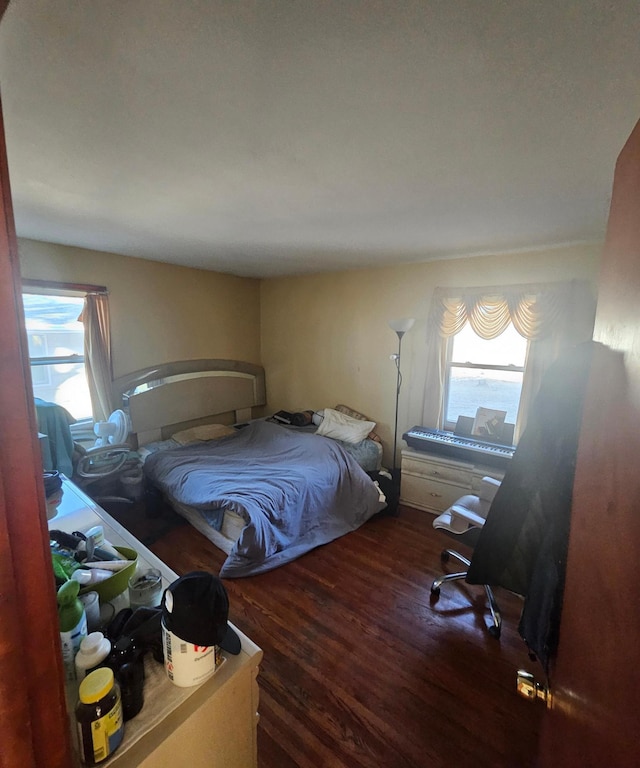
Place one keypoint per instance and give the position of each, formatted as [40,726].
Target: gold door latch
[531,689]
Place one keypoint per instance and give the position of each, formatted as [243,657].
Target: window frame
[449,364]
[75,290]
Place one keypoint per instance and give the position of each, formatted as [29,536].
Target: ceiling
[274,137]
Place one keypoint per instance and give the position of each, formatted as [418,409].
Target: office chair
[463,521]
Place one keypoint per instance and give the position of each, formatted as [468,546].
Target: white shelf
[169,712]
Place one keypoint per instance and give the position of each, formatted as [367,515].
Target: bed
[263,493]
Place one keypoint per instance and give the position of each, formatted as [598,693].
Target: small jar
[145,588]
[99,716]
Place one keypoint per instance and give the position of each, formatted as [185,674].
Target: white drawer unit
[432,482]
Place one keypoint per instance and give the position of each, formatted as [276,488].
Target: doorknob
[531,689]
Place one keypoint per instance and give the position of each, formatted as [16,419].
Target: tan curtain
[551,316]
[97,353]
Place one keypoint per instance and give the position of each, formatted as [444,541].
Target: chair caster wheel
[494,631]
[444,556]
[435,591]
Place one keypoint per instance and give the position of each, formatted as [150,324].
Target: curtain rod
[453,292]
[50,284]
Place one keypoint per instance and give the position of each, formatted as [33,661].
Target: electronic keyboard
[459,446]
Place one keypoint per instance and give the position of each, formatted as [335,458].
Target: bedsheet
[295,491]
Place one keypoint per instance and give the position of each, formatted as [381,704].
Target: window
[548,315]
[56,350]
[483,373]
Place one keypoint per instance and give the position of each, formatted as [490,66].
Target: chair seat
[458,519]
[451,523]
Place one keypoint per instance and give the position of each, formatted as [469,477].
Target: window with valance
[552,317]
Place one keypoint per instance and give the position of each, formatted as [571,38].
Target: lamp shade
[401,325]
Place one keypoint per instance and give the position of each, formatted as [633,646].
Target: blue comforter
[295,491]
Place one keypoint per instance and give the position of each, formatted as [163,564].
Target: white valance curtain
[551,316]
[97,353]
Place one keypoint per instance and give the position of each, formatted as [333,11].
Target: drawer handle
[435,495]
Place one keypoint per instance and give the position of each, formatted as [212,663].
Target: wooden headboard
[162,399]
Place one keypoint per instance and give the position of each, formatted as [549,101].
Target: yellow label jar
[99,716]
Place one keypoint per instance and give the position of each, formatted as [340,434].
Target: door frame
[34,726]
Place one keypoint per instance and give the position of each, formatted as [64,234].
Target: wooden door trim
[595,696]
[34,729]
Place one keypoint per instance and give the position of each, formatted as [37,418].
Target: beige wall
[325,338]
[159,312]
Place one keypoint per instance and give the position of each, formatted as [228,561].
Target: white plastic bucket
[187,664]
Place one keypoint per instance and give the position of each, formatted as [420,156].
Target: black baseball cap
[195,607]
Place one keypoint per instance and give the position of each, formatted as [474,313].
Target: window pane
[470,388]
[65,385]
[52,325]
[53,330]
[508,349]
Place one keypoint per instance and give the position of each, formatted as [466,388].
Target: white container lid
[94,649]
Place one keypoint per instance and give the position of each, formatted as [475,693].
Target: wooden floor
[361,669]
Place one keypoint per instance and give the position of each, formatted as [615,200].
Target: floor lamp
[400,327]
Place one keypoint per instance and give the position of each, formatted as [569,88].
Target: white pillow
[202,433]
[339,426]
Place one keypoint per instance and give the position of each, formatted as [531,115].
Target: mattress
[231,528]
[232,523]
[225,538]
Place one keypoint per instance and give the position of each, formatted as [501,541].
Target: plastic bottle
[73,624]
[99,541]
[91,575]
[127,662]
[97,532]
[82,576]
[94,649]
[99,716]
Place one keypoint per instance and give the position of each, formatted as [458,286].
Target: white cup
[187,664]
[145,588]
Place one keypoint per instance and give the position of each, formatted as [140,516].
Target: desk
[213,725]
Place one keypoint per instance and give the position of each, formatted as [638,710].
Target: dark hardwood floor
[361,669]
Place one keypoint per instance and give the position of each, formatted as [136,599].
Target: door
[593,720]
[33,723]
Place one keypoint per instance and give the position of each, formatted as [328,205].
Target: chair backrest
[488,489]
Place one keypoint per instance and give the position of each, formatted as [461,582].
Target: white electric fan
[114,431]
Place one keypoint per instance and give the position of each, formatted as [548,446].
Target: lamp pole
[396,357]
[400,327]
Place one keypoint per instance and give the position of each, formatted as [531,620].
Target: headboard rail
[161,396]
